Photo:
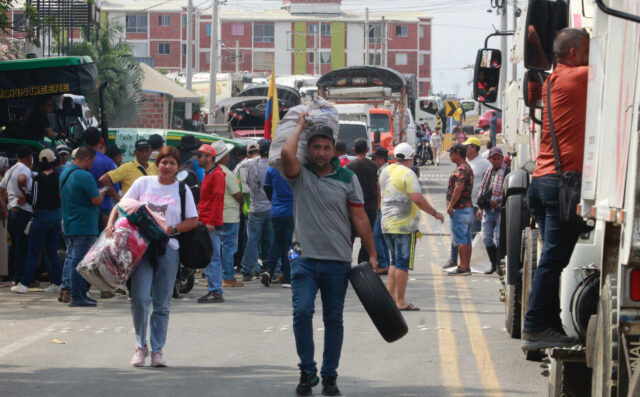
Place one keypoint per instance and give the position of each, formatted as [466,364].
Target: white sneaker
[286,285]
[20,289]
[53,289]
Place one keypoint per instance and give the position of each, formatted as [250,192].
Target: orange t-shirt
[569,110]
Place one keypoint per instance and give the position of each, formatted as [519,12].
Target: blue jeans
[461,221]
[282,234]
[155,285]
[403,250]
[213,271]
[258,229]
[77,248]
[558,242]
[492,134]
[491,227]
[17,222]
[228,248]
[381,243]
[307,276]
[45,229]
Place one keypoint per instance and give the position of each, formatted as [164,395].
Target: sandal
[409,308]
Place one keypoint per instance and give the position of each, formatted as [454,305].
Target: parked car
[483,121]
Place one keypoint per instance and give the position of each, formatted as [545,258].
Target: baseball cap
[208,149]
[143,144]
[253,147]
[62,148]
[47,156]
[156,141]
[495,150]
[403,151]
[472,141]
[381,152]
[458,148]
[320,129]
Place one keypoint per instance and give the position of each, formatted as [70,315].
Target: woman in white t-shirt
[155,284]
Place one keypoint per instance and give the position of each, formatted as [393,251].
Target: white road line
[27,340]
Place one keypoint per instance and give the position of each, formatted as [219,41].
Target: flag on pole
[272,113]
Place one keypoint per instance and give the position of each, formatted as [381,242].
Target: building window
[325,58]
[18,21]
[164,49]
[421,58]
[375,34]
[136,24]
[311,58]
[401,59]
[421,32]
[208,32]
[139,49]
[237,29]
[402,31]
[184,21]
[374,59]
[263,33]
[262,60]
[164,20]
[325,29]
[313,28]
[184,49]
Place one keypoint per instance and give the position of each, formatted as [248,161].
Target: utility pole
[213,64]
[514,67]
[197,67]
[366,36]
[316,53]
[237,56]
[188,109]
[503,48]
[383,50]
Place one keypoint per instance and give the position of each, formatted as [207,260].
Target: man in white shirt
[17,183]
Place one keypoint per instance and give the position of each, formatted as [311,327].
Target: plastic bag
[320,111]
[111,261]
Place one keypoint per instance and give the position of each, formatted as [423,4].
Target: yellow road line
[478,342]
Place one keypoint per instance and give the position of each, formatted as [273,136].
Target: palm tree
[116,66]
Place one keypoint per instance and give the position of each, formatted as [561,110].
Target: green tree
[116,67]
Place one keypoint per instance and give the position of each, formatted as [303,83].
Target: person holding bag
[561,152]
[154,278]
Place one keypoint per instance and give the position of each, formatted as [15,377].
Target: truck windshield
[348,133]
[380,123]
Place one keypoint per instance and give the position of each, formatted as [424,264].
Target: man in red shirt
[210,214]
[542,325]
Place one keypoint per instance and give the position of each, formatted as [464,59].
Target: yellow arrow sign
[451,107]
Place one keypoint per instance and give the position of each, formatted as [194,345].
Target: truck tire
[529,265]
[512,307]
[378,302]
[606,350]
[517,216]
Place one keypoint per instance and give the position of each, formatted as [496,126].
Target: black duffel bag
[378,302]
[195,245]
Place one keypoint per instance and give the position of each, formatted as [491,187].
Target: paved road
[245,347]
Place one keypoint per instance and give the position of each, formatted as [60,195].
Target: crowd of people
[300,222]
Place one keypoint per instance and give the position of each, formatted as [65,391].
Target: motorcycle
[185,279]
[424,154]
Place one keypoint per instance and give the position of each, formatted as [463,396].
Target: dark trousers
[372,214]
[282,234]
[558,242]
[17,222]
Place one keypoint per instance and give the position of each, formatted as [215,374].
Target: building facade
[303,37]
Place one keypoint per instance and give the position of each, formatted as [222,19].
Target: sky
[458,31]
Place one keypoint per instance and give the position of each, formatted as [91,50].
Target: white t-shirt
[479,165]
[10,184]
[164,200]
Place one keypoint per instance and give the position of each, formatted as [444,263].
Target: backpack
[190,179]
[196,247]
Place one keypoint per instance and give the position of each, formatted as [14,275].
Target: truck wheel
[604,380]
[529,265]
[512,308]
[515,221]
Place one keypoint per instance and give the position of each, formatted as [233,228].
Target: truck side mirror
[544,19]
[532,88]
[486,75]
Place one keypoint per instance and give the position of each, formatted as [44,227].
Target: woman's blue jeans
[153,285]
[330,277]
[45,230]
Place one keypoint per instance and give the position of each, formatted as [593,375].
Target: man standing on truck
[542,325]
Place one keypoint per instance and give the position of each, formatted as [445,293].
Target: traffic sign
[451,107]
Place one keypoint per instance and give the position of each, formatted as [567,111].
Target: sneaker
[232,283]
[278,280]
[265,279]
[65,295]
[20,289]
[546,339]
[286,285]
[450,263]
[247,277]
[329,387]
[460,272]
[157,360]
[52,289]
[139,356]
[307,381]
[82,302]
[107,294]
[210,297]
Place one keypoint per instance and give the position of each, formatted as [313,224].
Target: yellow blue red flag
[272,113]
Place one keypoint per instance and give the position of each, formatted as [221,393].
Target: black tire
[606,372]
[512,310]
[529,265]
[378,302]
[516,219]
[186,286]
